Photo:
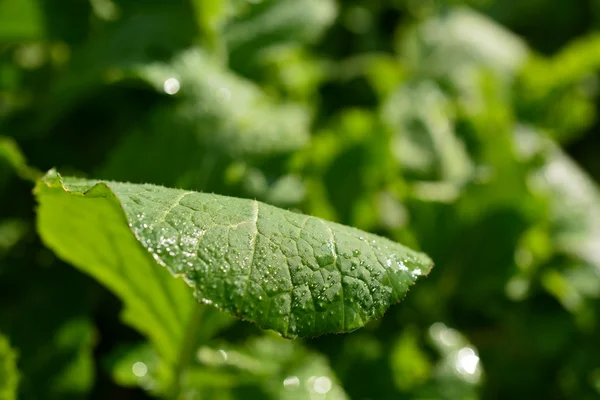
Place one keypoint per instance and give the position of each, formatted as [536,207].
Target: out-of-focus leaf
[574,224]
[9,374]
[576,61]
[558,93]
[426,144]
[78,376]
[349,159]
[210,17]
[139,365]
[575,202]
[451,43]
[459,371]
[286,191]
[144,33]
[56,348]
[11,154]
[20,20]
[233,252]
[559,287]
[276,22]
[134,365]
[165,138]
[409,363]
[230,115]
[294,71]
[217,116]
[283,369]
[11,232]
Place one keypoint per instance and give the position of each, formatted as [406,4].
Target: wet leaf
[295,274]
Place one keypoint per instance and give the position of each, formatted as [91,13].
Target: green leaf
[283,369]
[281,21]
[573,197]
[276,22]
[409,364]
[575,206]
[20,20]
[458,39]
[550,89]
[145,32]
[295,274]
[426,142]
[226,113]
[9,376]
[56,347]
[11,154]
[209,18]
[155,304]
[139,364]
[216,116]
[11,232]
[78,375]
[458,372]
[133,365]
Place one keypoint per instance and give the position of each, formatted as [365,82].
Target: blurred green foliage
[466,129]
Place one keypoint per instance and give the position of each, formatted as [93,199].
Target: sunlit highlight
[171,86]
[139,369]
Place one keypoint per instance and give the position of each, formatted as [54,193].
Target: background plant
[464,129]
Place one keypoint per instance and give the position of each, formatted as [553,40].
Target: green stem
[187,350]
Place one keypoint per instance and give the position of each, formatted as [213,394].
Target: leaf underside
[296,274]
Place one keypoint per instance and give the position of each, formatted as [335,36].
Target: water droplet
[322,385]
[139,369]
[356,253]
[291,383]
[325,259]
[467,361]
[191,275]
[171,86]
